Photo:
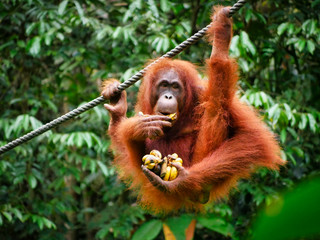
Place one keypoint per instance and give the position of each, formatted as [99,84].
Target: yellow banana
[156,153]
[173,173]
[176,162]
[167,176]
[173,116]
[162,167]
[150,165]
[174,156]
[145,157]
[150,159]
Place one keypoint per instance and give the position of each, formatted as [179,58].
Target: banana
[175,156]
[167,176]
[173,116]
[173,173]
[145,157]
[176,162]
[156,153]
[150,165]
[164,167]
[150,159]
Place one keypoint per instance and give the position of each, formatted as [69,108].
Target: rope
[182,46]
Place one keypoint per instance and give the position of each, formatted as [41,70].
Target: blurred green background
[53,56]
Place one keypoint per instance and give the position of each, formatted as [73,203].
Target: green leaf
[312,122]
[93,166]
[34,46]
[42,28]
[283,135]
[301,44]
[309,26]
[293,216]
[166,44]
[288,111]
[21,44]
[260,17]
[88,139]
[274,113]
[103,232]
[148,230]
[243,64]
[17,213]
[117,32]
[265,99]
[303,121]
[298,151]
[63,138]
[97,140]
[7,215]
[127,15]
[159,45]
[234,46]
[283,155]
[81,12]
[282,27]
[48,39]
[32,181]
[79,139]
[48,223]
[314,3]
[292,132]
[71,138]
[311,46]
[217,224]
[257,100]
[178,225]
[40,222]
[293,160]
[25,122]
[247,43]
[292,40]
[248,15]
[164,5]
[103,168]
[7,44]
[62,7]
[153,8]
[31,27]
[60,36]
[35,123]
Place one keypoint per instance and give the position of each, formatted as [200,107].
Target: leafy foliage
[279,220]
[53,55]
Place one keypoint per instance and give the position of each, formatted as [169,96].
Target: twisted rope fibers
[178,49]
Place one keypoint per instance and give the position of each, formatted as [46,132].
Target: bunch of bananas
[162,167]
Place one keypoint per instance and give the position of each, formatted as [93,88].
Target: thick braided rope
[182,46]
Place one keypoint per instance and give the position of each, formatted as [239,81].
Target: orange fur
[219,138]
